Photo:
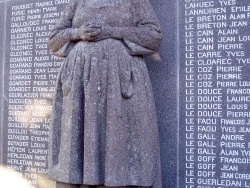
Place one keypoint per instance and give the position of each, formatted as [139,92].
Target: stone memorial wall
[30,74]
[215,65]
[202,89]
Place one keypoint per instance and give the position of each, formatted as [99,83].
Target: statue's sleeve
[146,37]
[62,36]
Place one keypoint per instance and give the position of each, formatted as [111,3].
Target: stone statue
[104,130]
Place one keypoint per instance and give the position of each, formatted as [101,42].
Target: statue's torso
[113,12]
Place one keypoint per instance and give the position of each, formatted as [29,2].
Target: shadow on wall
[12,179]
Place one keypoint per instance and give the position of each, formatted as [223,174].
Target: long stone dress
[104,129]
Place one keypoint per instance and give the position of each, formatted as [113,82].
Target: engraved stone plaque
[30,73]
[214,95]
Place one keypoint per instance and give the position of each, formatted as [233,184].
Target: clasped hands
[94,31]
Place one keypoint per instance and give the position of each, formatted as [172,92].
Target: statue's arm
[63,32]
[147,32]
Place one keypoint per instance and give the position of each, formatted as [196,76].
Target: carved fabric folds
[104,129]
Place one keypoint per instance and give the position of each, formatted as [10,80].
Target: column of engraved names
[220,61]
[19,92]
[233,79]
[205,115]
[32,75]
[189,103]
[208,18]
